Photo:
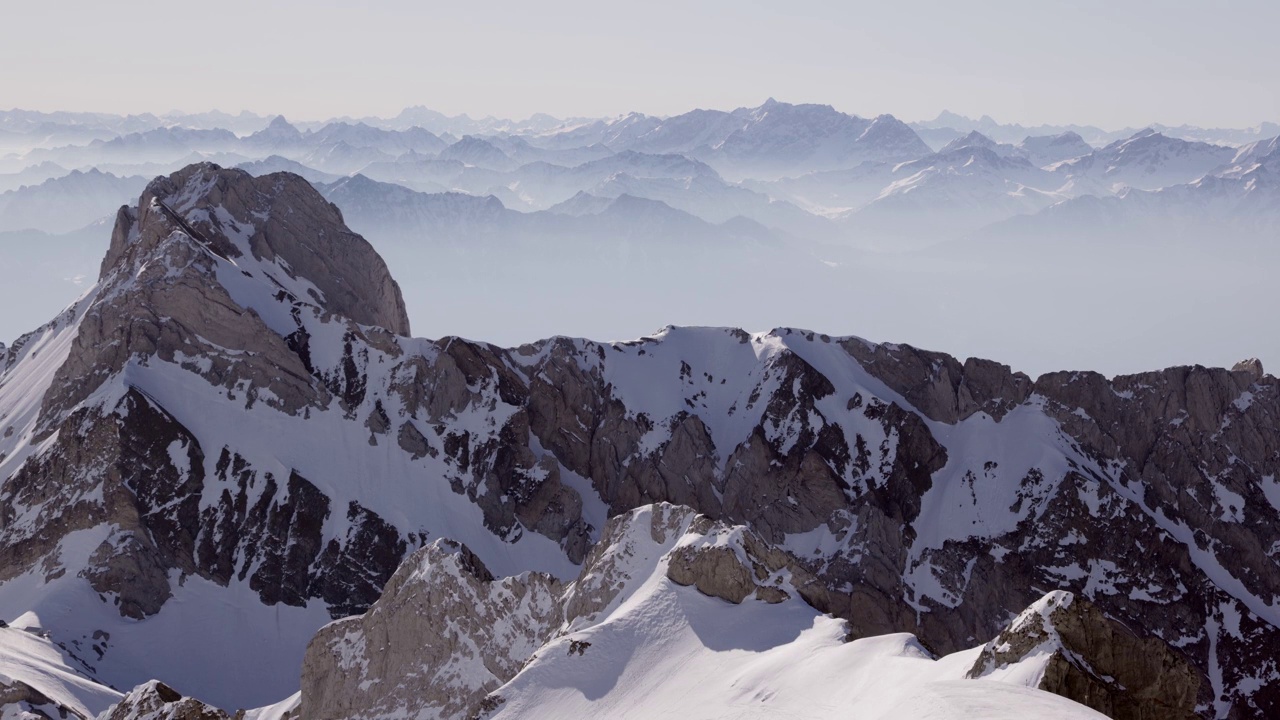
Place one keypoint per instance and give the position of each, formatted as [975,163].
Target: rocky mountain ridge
[237,411]
[664,586]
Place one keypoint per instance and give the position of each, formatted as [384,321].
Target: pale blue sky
[1116,63]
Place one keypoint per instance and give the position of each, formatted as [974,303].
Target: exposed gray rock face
[233,309]
[744,566]
[164,298]
[608,567]
[160,299]
[1074,522]
[22,701]
[132,564]
[1253,366]
[938,385]
[1160,491]
[164,294]
[1094,660]
[445,634]
[279,216]
[156,701]
[403,653]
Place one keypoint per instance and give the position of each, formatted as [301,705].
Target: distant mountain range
[66,203]
[812,184]
[808,171]
[947,125]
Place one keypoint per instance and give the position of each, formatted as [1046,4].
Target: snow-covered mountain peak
[892,137]
[279,133]
[772,106]
[1148,160]
[1069,137]
[1046,150]
[279,124]
[672,613]
[973,139]
[783,138]
[479,152]
[1260,154]
[230,438]
[1151,140]
[277,225]
[1143,133]
[977,141]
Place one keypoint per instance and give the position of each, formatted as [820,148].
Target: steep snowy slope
[40,678]
[1264,154]
[232,437]
[125,386]
[664,650]
[673,615]
[1147,161]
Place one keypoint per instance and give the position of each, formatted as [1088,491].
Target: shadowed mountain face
[232,434]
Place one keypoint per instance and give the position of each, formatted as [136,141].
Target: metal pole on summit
[185,227]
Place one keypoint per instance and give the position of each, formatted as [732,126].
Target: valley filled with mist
[1050,247]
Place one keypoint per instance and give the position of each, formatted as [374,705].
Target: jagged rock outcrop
[1081,654]
[938,385]
[156,701]
[166,295]
[21,700]
[236,404]
[278,219]
[445,634]
[734,563]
